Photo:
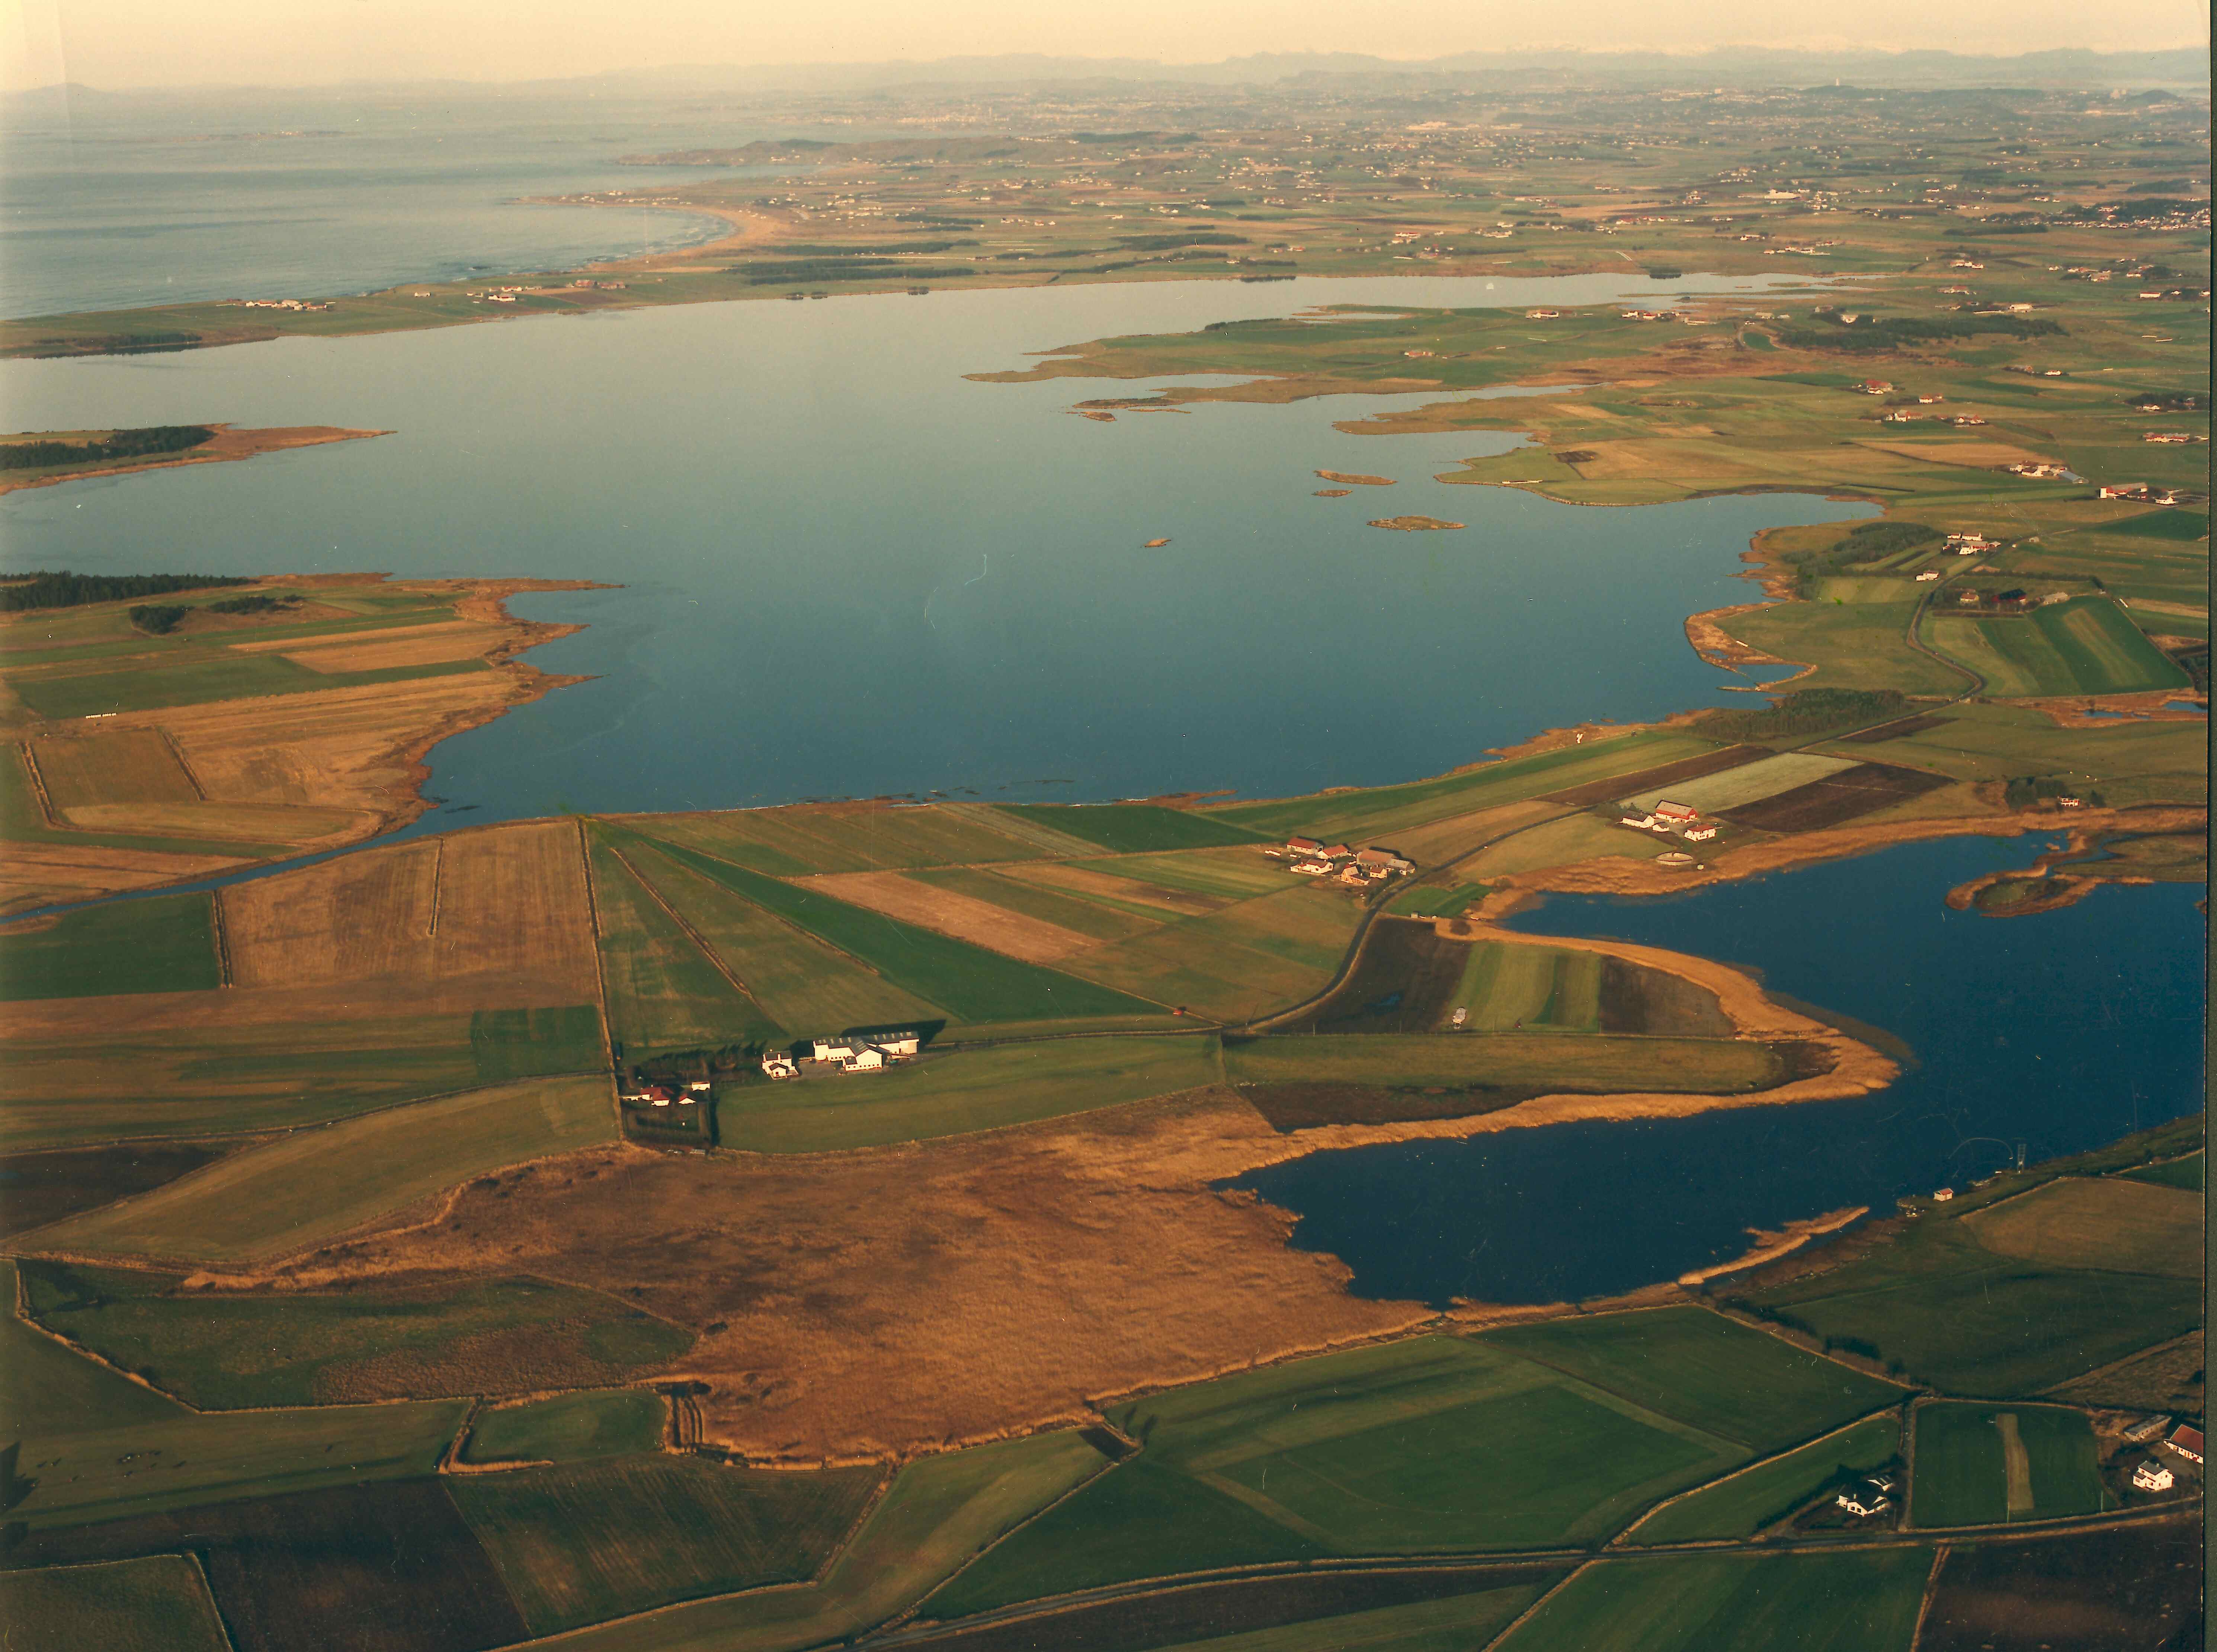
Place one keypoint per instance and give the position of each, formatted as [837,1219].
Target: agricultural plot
[1154,902]
[48,1389]
[2185,1172]
[969,914]
[132,765]
[1855,1602]
[1939,1305]
[2118,1224]
[663,992]
[310,1186]
[1705,1370]
[1984,1464]
[973,985]
[1509,988]
[958,1091]
[1746,783]
[1566,841]
[798,980]
[1543,1061]
[223,1352]
[799,841]
[99,688]
[1661,776]
[1217,875]
[938,1512]
[1090,919]
[1457,1622]
[1439,1443]
[1134,828]
[43,1187]
[1836,798]
[1851,645]
[2087,645]
[580,1544]
[2138,1585]
[1383,810]
[571,1428]
[86,1475]
[1436,900]
[2129,761]
[1744,1503]
[1236,963]
[159,1603]
[164,944]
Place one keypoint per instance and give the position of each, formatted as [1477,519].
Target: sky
[122,44]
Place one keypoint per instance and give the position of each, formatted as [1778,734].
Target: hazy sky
[123,43]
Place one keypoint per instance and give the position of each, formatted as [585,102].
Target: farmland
[799,841]
[225,1352]
[1983,1464]
[579,1543]
[163,944]
[663,992]
[1822,1603]
[569,1428]
[1235,963]
[43,1187]
[1743,1504]
[1134,828]
[158,1604]
[312,1185]
[2112,1588]
[1597,1064]
[2083,646]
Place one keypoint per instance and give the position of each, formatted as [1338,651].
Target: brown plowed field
[134,765]
[1595,792]
[285,644]
[33,874]
[2133,1586]
[509,903]
[967,918]
[1836,798]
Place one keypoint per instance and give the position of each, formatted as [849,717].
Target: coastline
[228,444]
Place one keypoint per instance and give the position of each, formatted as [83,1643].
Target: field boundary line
[1940,1553]
[220,931]
[2103,1371]
[859,962]
[1530,1611]
[1744,1468]
[599,975]
[178,752]
[39,788]
[1785,1334]
[438,869]
[700,942]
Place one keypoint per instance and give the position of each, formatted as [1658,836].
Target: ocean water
[108,203]
[2061,1031]
[847,569]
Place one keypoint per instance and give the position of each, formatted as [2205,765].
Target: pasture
[2185,1172]
[938,1514]
[569,1428]
[43,1187]
[971,912]
[1743,1504]
[1239,962]
[157,1603]
[224,1351]
[974,985]
[2086,646]
[1134,828]
[1982,1464]
[308,1187]
[1564,842]
[164,944]
[1854,1602]
[1835,799]
[1214,876]
[1438,1444]
[955,1090]
[1447,1625]
[1509,988]
[663,992]
[48,1389]
[84,1475]
[579,1544]
[1595,1065]
[2119,1224]
[131,765]
[1088,919]
[1748,782]
[810,837]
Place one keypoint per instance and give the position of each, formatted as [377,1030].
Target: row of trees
[118,444]
[66,590]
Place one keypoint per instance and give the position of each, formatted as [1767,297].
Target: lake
[2062,1031]
[850,570]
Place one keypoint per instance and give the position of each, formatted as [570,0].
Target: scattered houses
[1349,866]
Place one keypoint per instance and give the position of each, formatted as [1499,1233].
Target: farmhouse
[1311,868]
[850,1046]
[779,1065]
[2187,1442]
[1334,851]
[1302,846]
[1382,862]
[2151,1475]
[1864,1499]
[1676,815]
[2140,1433]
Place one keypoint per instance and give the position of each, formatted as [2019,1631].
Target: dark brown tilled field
[2133,1586]
[37,1188]
[1618,786]
[1203,1610]
[1635,999]
[1401,983]
[1836,798]
[388,1568]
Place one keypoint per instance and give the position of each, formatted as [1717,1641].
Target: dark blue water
[2063,1030]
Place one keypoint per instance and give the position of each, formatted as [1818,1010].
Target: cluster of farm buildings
[1352,866]
[691,1094]
[2152,1473]
[1672,821]
[850,1052]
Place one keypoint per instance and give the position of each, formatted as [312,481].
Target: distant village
[1354,867]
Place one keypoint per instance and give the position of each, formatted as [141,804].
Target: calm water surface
[2062,1031]
[850,570]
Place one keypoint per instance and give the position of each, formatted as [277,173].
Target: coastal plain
[418,1236]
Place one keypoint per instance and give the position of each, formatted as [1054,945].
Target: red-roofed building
[2187,1442]
[1303,846]
[1335,851]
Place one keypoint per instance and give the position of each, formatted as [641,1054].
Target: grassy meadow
[1983,1464]
[2087,645]
[569,1428]
[1743,1504]
[1572,1062]
[159,1603]
[165,943]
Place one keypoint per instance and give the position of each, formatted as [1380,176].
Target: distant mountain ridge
[1736,67]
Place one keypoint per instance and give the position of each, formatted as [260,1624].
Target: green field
[156,1604]
[526,1043]
[957,1091]
[1863,1602]
[1706,1370]
[1748,784]
[2178,1173]
[1134,828]
[1455,1624]
[1746,1502]
[1508,988]
[313,1184]
[222,1352]
[1085,914]
[975,985]
[1600,1063]
[1984,1464]
[579,1545]
[98,689]
[1941,1308]
[1431,900]
[571,1428]
[180,1461]
[662,992]
[48,1389]
[1239,960]
[1440,1444]
[798,841]
[800,982]
[1380,811]
[938,1512]
[2087,645]
[165,943]
[1214,873]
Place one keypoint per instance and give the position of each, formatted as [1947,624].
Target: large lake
[850,570]
[2061,1031]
